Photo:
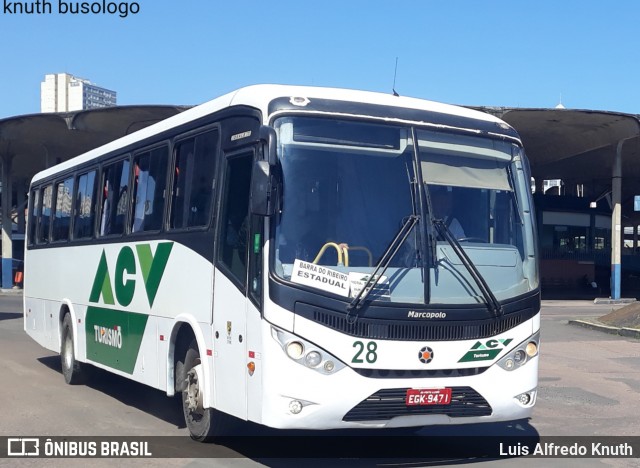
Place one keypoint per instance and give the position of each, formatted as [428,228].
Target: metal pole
[7,244]
[616,223]
[21,206]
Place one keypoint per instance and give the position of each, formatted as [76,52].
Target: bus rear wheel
[203,423]
[72,370]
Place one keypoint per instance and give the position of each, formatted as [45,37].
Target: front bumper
[347,399]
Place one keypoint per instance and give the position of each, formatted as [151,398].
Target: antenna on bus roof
[395,73]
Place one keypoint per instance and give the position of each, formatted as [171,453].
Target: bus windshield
[350,187]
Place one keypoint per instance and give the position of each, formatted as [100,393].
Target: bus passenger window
[45,215]
[115,198]
[149,183]
[33,215]
[62,215]
[193,180]
[84,212]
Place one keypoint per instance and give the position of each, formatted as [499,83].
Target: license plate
[428,396]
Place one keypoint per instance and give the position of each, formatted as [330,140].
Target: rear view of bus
[403,281]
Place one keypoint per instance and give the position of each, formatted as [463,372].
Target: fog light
[532,349]
[295,350]
[524,398]
[295,407]
[329,366]
[313,359]
[509,364]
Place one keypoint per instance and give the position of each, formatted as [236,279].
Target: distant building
[65,93]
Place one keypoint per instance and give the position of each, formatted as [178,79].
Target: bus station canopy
[579,147]
[35,142]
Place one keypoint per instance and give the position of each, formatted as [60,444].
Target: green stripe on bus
[114,337]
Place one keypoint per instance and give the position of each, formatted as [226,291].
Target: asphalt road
[589,386]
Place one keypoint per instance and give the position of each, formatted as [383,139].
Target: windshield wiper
[383,264]
[492,302]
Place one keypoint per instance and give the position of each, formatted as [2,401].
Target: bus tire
[204,424]
[72,370]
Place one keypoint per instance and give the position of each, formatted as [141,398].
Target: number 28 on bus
[297,257]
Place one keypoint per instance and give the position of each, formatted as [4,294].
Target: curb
[601,300]
[11,292]
[621,331]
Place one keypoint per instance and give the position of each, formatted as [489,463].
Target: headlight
[306,353]
[313,359]
[521,354]
[295,349]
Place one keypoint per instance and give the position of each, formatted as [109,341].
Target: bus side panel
[34,321]
[125,331]
[44,290]
[230,352]
[255,325]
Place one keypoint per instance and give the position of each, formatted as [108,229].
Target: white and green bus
[297,257]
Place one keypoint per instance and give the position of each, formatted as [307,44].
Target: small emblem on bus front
[426,355]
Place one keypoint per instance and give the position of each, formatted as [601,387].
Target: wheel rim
[68,352]
[193,394]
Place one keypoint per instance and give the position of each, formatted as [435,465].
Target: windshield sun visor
[346,136]
[439,169]
[464,160]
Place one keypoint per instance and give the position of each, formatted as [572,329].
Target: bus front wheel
[203,423]
[72,370]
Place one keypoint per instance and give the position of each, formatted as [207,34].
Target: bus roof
[259,97]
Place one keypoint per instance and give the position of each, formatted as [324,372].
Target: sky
[516,53]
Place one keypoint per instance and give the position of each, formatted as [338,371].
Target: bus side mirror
[262,189]
[263,182]
[268,138]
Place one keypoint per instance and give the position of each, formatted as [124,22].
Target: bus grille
[412,331]
[390,403]
[419,374]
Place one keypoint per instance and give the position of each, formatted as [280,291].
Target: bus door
[230,286]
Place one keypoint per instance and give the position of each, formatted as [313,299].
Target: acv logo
[425,355]
[486,351]
[491,344]
[152,267]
